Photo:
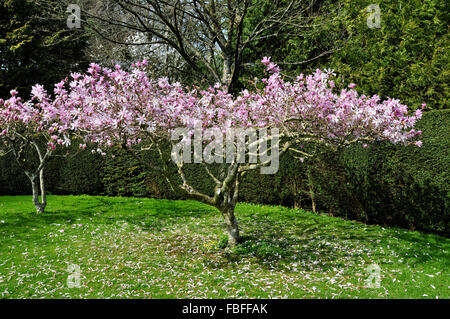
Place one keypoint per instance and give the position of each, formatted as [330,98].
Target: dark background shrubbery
[391,184]
[384,184]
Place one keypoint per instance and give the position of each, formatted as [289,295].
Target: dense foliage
[407,57]
[36,48]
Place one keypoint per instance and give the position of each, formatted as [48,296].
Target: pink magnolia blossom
[110,107]
[116,106]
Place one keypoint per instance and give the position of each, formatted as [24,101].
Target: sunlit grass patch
[147,248]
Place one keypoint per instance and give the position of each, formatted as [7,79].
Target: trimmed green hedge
[75,174]
[392,184]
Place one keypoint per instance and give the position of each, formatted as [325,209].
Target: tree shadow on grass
[152,214]
[148,214]
[332,244]
[424,247]
[272,236]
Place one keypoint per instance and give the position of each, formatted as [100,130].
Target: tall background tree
[197,41]
[406,57]
[36,47]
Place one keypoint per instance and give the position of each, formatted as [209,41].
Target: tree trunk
[226,71]
[232,225]
[313,201]
[42,186]
[297,199]
[40,206]
[312,194]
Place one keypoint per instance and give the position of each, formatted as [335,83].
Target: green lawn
[146,248]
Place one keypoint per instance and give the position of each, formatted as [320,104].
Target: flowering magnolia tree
[228,135]
[32,130]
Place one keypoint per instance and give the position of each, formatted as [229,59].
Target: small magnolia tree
[32,131]
[127,109]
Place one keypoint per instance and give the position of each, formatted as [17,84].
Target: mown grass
[146,248]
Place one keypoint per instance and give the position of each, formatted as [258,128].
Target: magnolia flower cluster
[310,105]
[40,116]
[109,107]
